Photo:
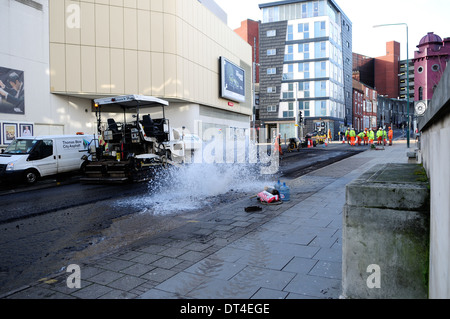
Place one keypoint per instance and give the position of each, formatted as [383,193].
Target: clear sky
[422,16]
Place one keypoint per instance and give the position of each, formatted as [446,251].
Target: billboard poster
[232,81]
[12,91]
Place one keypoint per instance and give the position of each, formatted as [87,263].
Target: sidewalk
[287,251]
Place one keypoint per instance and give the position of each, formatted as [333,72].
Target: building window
[320,50]
[304,48]
[435,67]
[272,33]
[420,69]
[289,94]
[289,56]
[289,75]
[271,89]
[303,29]
[321,108]
[304,106]
[271,52]
[290,33]
[316,9]
[271,109]
[290,112]
[321,69]
[321,89]
[303,68]
[320,29]
[304,88]
[272,71]
[420,93]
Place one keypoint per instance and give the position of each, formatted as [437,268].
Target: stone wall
[435,154]
[386,234]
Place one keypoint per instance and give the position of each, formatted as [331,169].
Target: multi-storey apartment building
[306,67]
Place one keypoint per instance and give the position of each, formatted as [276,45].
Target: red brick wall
[386,71]
[248,31]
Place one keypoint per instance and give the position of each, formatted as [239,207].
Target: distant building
[249,31]
[392,112]
[430,62]
[306,66]
[365,106]
[387,75]
[386,71]
[403,70]
[364,69]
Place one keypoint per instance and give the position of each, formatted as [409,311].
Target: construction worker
[366,137]
[360,138]
[379,136]
[278,145]
[371,137]
[384,136]
[352,136]
[347,136]
[390,136]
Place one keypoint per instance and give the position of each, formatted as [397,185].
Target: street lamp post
[408,138]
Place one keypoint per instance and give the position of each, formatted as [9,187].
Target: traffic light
[300,117]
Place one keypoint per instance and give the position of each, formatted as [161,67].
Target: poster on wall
[26,129]
[9,133]
[232,81]
[12,91]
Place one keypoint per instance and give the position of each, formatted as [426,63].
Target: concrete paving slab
[213,267]
[315,286]
[268,294]
[300,265]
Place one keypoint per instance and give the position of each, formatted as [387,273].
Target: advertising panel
[12,91]
[232,81]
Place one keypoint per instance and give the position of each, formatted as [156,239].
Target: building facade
[392,112]
[365,107]
[430,62]
[403,71]
[249,31]
[306,67]
[68,53]
[386,71]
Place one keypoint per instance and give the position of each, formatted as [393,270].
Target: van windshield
[20,147]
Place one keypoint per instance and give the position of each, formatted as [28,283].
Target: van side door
[69,154]
[43,157]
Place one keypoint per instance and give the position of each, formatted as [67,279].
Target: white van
[29,158]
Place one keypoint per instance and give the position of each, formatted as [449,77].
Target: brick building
[249,31]
[387,70]
[365,106]
[430,62]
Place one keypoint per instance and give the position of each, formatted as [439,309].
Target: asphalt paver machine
[134,149]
